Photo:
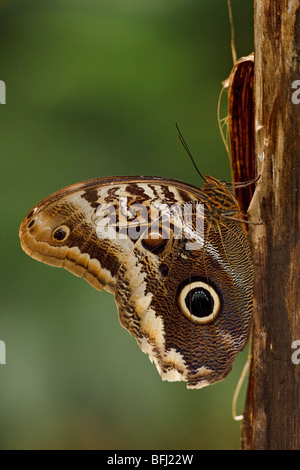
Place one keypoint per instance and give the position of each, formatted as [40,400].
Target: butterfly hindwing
[175,257]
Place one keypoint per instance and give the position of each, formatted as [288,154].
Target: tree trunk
[272,412]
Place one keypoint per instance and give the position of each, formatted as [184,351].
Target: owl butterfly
[175,257]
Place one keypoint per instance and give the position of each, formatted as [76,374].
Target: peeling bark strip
[241,128]
[272,414]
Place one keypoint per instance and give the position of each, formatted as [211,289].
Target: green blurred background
[94,89]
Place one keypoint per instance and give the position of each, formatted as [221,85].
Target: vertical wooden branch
[272,414]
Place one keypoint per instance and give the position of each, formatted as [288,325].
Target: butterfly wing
[174,256]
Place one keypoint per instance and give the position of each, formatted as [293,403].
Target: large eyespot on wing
[199,301]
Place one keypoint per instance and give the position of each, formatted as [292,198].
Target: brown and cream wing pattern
[182,277]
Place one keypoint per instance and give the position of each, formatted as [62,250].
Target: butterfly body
[182,277]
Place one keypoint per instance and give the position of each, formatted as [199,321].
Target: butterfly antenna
[185,146]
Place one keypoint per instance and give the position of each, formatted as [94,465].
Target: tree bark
[272,411]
